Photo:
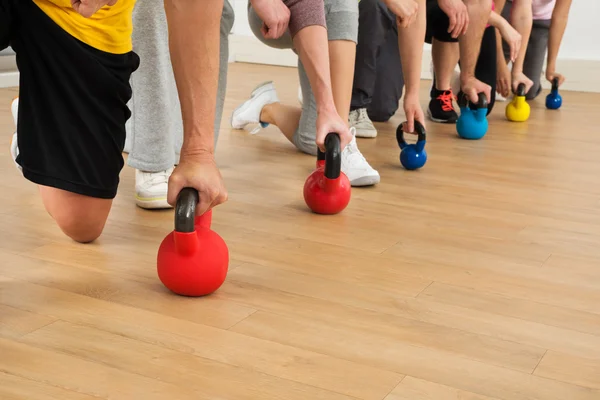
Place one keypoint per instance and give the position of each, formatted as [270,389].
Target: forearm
[521,19]
[313,50]
[194,32]
[410,42]
[470,42]
[499,49]
[558,24]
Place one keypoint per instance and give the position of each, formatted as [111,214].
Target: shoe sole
[368,180]
[152,203]
[443,121]
[366,134]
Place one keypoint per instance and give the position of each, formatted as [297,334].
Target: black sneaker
[441,108]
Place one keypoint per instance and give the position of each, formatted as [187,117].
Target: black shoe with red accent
[441,108]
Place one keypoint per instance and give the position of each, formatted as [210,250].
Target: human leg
[389,84]
[536,56]
[72,111]
[156,121]
[375,23]
[486,68]
[445,54]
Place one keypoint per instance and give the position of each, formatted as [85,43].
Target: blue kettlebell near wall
[412,156]
[554,99]
[472,124]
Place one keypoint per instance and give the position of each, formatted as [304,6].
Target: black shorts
[72,103]
[437,24]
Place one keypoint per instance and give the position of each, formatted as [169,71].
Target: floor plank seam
[539,362]
[243,319]
[395,387]
[50,384]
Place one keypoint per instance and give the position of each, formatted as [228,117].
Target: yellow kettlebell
[518,109]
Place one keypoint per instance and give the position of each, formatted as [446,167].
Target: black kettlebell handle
[419,129]
[185,210]
[482,102]
[555,84]
[332,156]
[521,89]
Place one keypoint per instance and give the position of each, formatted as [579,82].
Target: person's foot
[441,108]
[249,111]
[14,146]
[356,167]
[360,120]
[151,189]
[14,108]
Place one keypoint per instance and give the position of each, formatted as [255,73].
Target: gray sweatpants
[536,51]
[342,24]
[155,130]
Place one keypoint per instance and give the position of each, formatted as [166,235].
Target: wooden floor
[475,278]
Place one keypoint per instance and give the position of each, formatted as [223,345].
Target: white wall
[581,40]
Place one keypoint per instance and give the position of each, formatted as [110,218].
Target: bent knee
[78,230]
[82,218]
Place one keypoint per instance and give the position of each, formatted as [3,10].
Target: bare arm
[521,19]
[410,42]
[194,38]
[470,45]
[558,24]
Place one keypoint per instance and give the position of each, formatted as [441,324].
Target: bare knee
[78,230]
[81,218]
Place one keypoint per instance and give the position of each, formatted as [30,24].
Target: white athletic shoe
[360,120]
[14,146]
[249,111]
[151,189]
[300,97]
[14,108]
[356,167]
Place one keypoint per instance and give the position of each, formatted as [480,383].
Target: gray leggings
[342,24]
[155,129]
[536,51]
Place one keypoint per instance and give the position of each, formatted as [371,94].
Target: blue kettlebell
[472,124]
[412,156]
[554,99]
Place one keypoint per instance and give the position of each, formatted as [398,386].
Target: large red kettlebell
[327,189]
[192,260]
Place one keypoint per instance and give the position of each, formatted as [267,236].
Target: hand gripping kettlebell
[327,189]
[412,156]
[472,124]
[192,260]
[518,109]
[554,99]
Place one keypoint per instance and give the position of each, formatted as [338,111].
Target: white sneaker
[14,146]
[356,167]
[151,189]
[249,111]
[300,97]
[363,124]
[14,108]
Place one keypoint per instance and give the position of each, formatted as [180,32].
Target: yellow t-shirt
[108,30]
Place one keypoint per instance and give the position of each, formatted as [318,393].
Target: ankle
[266,114]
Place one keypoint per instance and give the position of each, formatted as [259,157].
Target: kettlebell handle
[555,84]
[463,100]
[332,156]
[185,210]
[521,89]
[419,130]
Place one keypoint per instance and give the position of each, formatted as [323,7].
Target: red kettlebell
[192,260]
[327,189]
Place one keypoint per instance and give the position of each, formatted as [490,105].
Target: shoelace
[157,178]
[446,98]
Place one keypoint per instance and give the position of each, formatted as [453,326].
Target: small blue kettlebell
[472,124]
[412,156]
[554,99]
